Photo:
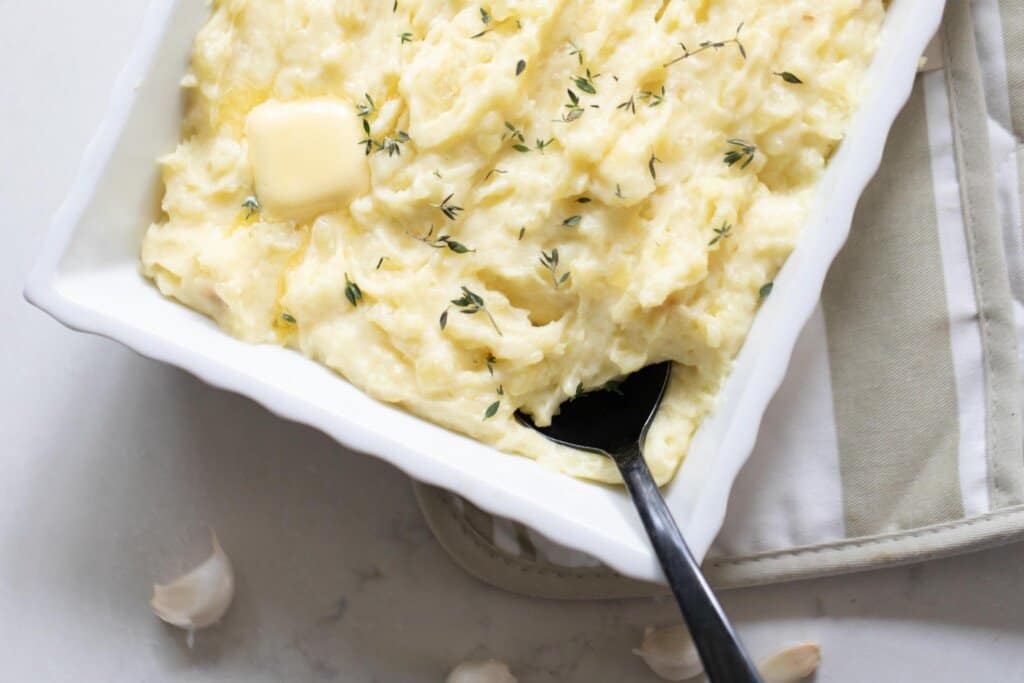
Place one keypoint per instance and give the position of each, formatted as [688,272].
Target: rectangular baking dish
[87,278]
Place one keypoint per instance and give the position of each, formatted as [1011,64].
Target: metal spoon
[614,422]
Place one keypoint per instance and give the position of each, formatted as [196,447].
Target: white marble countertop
[114,467]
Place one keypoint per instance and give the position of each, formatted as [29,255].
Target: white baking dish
[87,277]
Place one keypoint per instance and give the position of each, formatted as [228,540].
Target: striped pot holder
[896,436]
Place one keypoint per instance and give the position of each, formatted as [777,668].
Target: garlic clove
[791,664]
[490,671]
[200,597]
[670,653]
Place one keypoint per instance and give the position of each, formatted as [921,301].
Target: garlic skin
[791,664]
[490,671]
[670,653]
[200,597]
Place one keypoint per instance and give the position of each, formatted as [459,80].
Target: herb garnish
[765,290]
[392,145]
[522,233]
[469,303]
[492,410]
[618,191]
[584,200]
[653,99]
[252,205]
[746,151]
[520,66]
[788,77]
[650,166]
[288,318]
[352,292]
[550,263]
[499,171]
[515,134]
[405,37]
[572,221]
[368,109]
[541,144]
[712,44]
[576,52]
[721,233]
[450,211]
[586,82]
[485,17]
[491,360]
[574,109]
[443,242]
[380,262]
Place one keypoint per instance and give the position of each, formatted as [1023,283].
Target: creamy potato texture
[498,134]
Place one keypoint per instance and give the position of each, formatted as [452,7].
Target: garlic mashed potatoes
[470,209]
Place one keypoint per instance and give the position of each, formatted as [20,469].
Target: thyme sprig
[352,292]
[653,99]
[745,152]
[721,233]
[450,211]
[573,108]
[576,52]
[470,303]
[516,136]
[711,45]
[390,144]
[586,82]
[251,205]
[550,263]
[443,242]
[405,37]
[367,109]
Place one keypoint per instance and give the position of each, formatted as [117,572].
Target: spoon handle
[720,649]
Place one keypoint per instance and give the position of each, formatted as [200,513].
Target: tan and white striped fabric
[897,435]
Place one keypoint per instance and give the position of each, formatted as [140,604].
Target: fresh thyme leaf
[251,205]
[288,318]
[574,109]
[629,105]
[485,16]
[368,109]
[721,233]
[443,242]
[437,174]
[650,166]
[491,360]
[541,144]
[618,191]
[499,171]
[352,292]
[470,303]
[584,200]
[520,66]
[579,391]
[765,290]
[390,144]
[712,45]
[492,410]
[576,52]
[572,221]
[653,99]
[522,233]
[405,37]
[586,82]
[481,34]
[745,151]
[501,390]
[550,263]
[519,147]
[380,262]
[450,211]
[394,8]
[788,77]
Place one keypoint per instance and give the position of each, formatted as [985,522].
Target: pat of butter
[306,157]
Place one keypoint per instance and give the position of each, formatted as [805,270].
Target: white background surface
[112,468]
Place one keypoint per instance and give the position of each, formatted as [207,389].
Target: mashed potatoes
[466,210]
